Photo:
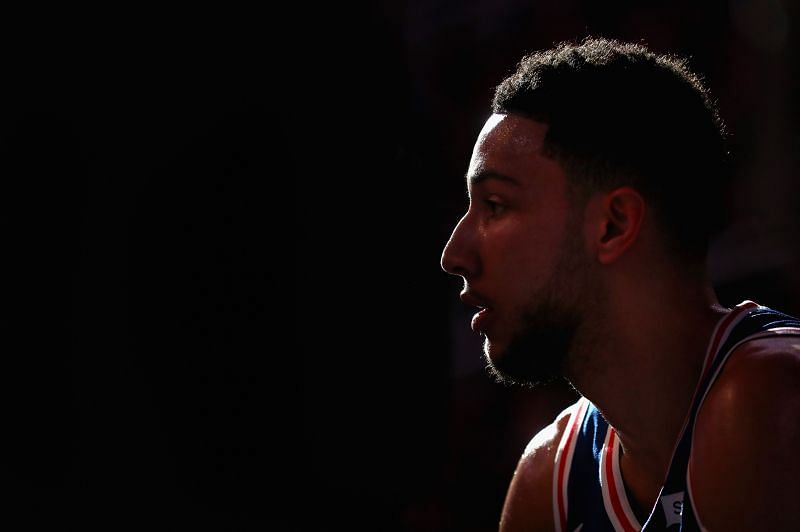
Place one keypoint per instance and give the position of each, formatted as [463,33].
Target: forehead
[515,133]
[511,145]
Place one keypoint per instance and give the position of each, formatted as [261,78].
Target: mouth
[478,323]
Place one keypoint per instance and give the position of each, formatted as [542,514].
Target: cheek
[527,248]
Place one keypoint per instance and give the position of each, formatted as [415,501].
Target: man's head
[618,115]
[604,126]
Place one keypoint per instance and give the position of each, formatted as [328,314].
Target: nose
[459,256]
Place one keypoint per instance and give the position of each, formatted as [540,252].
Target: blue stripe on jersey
[584,491]
[674,510]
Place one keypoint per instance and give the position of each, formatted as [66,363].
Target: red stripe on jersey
[616,504]
[722,330]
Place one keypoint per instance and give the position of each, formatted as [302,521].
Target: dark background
[223,306]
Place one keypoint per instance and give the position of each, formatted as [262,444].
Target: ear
[618,219]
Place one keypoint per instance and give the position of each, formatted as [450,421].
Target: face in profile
[519,251]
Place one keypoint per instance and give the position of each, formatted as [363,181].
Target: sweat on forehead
[521,135]
[510,146]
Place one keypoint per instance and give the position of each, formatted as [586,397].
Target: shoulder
[760,380]
[529,502]
[761,377]
[746,440]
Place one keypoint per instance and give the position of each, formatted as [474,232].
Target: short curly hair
[619,114]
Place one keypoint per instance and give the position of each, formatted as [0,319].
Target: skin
[515,247]
[631,313]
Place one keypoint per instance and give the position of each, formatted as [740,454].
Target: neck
[641,364]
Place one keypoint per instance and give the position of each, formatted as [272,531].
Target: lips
[479,320]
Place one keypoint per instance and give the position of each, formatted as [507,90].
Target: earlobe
[622,214]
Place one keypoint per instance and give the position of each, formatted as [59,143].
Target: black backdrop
[223,306]
[150,245]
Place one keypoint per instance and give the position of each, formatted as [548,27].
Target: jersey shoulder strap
[748,321]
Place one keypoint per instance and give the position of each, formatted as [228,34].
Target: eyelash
[495,207]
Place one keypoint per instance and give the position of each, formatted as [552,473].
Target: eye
[495,207]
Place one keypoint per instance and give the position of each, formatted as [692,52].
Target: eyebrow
[480,177]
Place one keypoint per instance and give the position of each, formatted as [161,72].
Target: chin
[531,360]
[492,351]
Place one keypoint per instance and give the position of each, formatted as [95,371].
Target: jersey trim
[721,333]
[563,464]
[615,500]
[763,334]
[588,439]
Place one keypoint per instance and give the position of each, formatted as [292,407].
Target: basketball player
[594,190]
